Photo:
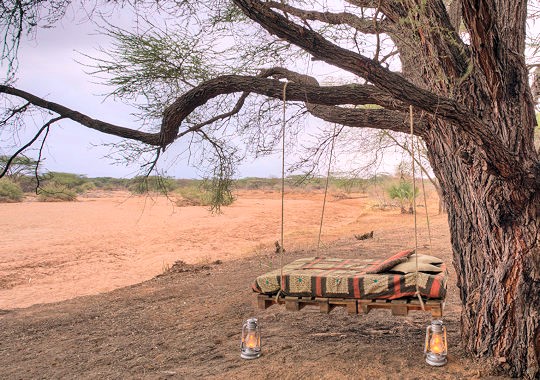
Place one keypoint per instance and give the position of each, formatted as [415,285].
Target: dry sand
[56,251]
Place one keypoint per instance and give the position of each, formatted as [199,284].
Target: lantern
[436,346]
[251,339]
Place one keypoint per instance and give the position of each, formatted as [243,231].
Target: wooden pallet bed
[398,307]
[359,285]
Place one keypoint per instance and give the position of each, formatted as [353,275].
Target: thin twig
[36,169]
[28,144]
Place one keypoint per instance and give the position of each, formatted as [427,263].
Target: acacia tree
[478,125]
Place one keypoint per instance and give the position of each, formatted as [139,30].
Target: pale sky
[48,68]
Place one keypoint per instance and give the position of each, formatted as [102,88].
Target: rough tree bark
[478,127]
[494,221]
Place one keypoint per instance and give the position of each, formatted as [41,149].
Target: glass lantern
[251,339]
[436,347]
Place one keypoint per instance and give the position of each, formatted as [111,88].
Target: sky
[48,67]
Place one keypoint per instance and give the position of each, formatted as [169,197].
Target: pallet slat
[399,307]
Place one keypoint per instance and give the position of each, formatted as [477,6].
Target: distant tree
[16,167]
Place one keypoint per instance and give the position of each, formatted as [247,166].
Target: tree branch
[14,112]
[237,107]
[365,118]
[386,80]
[87,121]
[497,157]
[352,117]
[366,3]
[296,91]
[366,26]
[498,41]
[175,114]
[45,127]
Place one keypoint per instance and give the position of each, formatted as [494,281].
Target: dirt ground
[90,289]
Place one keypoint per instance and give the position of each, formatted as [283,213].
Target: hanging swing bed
[359,286]
[401,283]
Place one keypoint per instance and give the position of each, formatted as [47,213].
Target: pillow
[410,267]
[390,262]
[426,259]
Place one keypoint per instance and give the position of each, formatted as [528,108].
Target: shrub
[74,182]
[143,185]
[10,191]
[69,180]
[54,192]
[28,183]
[85,187]
[201,196]
[193,196]
[405,194]
[109,183]
[349,185]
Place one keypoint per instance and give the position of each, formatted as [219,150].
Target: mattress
[352,278]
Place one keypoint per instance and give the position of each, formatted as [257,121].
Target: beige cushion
[410,267]
[426,259]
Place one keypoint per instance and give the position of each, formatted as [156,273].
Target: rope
[282,186]
[326,186]
[425,199]
[414,210]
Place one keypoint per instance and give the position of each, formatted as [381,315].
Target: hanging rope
[326,185]
[414,209]
[282,238]
[425,198]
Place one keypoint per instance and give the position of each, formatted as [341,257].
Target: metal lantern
[436,347]
[251,339]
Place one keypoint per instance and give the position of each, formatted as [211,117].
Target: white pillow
[426,259]
[410,267]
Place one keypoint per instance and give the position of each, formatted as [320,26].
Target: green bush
[405,194]
[143,185]
[28,183]
[349,185]
[10,191]
[69,180]
[109,183]
[200,196]
[255,183]
[54,192]
[193,196]
[74,182]
[85,187]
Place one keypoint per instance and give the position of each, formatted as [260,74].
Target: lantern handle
[426,345]
[243,334]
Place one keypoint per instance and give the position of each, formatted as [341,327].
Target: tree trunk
[494,219]
[495,227]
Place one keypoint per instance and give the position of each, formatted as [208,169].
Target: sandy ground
[56,251]
[185,323]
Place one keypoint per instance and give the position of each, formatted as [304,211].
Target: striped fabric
[392,261]
[348,278]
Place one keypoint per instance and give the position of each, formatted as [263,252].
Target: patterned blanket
[350,278]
